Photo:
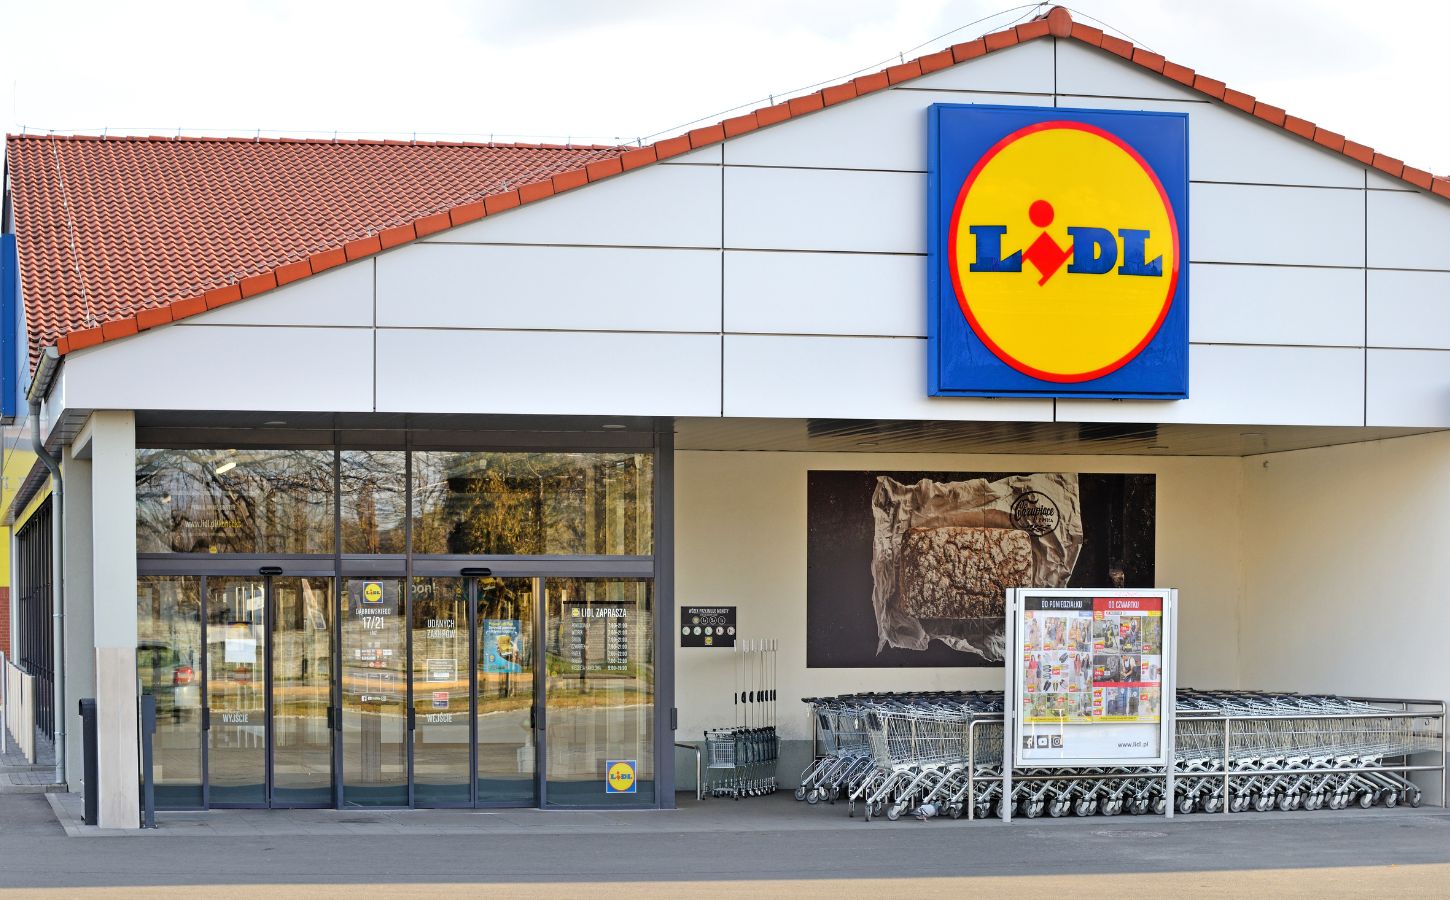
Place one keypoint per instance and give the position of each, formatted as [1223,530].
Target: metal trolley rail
[940,753]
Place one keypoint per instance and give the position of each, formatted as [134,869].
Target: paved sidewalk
[19,776]
[766,847]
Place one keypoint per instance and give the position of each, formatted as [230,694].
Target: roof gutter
[39,388]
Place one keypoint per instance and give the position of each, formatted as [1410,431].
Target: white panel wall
[569,288]
[566,373]
[1025,68]
[825,293]
[752,506]
[1225,144]
[1236,385]
[848,378]
[825,209]
[1276,225]
[343,297]
[1232,304]
[835,138]
[226,367]
[658,206]
[1409,309]
[1409,231]
[1409,388]
[1083,70]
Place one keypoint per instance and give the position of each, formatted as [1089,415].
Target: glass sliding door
[506,627]
[169,666]
[442,736]
[374,693]
[301,691]
[236,691]
[599,696]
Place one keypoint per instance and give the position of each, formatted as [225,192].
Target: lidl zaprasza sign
[1058,244]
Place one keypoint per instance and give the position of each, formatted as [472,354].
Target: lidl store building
[388,469]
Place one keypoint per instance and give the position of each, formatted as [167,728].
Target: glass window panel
[374,501]
[506,768]
[169,666]
[301,691]
[441,662]
[599,691]
[374,693]
[533,503]
[236,690]
[234,501]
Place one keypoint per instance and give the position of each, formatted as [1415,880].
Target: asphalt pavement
[754,848]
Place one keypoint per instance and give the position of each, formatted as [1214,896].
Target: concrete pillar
[80,630]
[110,439]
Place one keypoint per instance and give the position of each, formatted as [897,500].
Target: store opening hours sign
[1091,682]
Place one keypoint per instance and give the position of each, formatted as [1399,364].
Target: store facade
[408,520]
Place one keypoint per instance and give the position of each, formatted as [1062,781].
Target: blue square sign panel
[1058,245]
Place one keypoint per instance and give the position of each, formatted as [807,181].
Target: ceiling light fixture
[225,467]
[613,426]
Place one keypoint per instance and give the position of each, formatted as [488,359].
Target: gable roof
[214,221]
[115,228]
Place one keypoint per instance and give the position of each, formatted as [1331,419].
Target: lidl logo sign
[1058,253]
[619,776]
[373,593]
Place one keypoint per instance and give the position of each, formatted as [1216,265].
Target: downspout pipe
[44,373]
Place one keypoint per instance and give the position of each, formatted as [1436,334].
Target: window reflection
[532,503]
[374,501]
[234,501]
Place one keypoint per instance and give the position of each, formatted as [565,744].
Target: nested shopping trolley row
[940,753]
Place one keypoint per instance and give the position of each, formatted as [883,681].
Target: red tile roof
[160,220]
[168,228]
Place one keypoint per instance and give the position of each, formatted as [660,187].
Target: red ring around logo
[966,306]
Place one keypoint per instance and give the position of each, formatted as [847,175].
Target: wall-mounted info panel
[1091,683]
[1058,243]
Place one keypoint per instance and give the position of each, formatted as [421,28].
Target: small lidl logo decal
[1057,245]
[373,592]
[619,776]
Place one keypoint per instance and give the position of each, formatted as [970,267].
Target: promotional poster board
[1092,676]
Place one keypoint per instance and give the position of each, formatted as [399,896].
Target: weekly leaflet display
[1091,678]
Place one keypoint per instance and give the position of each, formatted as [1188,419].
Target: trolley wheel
[1160,806]
[1412,797]
[1391,799]
[813,796]
[1366,800]
[1059,808]
[983,811]
[894,812]
[1314,801]
[956,810]
[851,810]
[1186,805]
[1212,804]
[1085,807]
[800,793]
[1338,801]
[1264,802]
[877,807]
[1032,808]
[835,793]
[1138,806]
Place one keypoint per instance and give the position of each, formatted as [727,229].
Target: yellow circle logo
[621,777]
[1064,251]
[373,593]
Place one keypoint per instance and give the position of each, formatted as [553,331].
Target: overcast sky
[604,71]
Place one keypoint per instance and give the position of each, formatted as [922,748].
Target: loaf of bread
[955,572]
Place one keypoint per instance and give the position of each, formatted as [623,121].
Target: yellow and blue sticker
[619,776]
[1058,252]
